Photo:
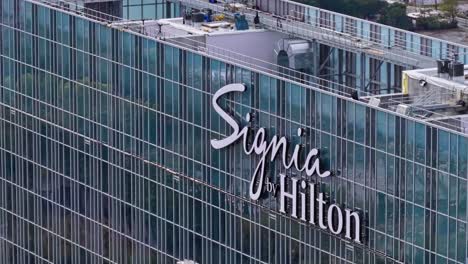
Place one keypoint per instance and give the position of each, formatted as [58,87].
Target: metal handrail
[240,59]
[334,15]
[227,55]
[311,32]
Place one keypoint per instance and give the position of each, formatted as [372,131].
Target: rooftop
[226,40]
[434,95]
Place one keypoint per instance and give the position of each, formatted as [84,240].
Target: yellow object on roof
[218,17]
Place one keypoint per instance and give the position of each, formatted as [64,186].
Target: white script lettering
[262,147]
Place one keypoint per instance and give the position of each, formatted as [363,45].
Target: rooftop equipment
[452,67]
[241,22]
[198,17]
[456,69]
[295,54]
[256,19]
[187,17]
[443,66]
[208,15]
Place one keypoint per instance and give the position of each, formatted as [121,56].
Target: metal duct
[295,54]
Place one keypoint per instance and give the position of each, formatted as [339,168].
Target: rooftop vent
[295,54]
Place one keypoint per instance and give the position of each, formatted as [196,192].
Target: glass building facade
[148,9]
[105,157]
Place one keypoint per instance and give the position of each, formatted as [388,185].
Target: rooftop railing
[365,29]
[346,36]
[261,66]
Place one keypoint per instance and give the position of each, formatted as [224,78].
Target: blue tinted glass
[326,112]
[419,225]
[462,156]
[420,136]
[419,184]
[360,123]
[381,165]
[443,150]
[391,134]
[410,141]
[442,192]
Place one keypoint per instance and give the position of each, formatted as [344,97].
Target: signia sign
[306,202]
